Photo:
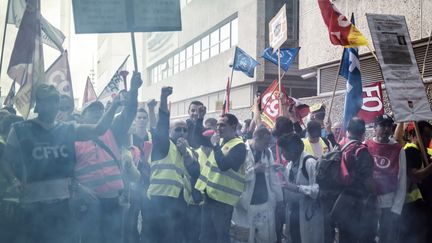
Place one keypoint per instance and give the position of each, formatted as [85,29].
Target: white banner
[402,78]
[278,29]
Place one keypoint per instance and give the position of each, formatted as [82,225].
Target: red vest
[96,169]
[386,165]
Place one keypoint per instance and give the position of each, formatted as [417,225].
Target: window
[209,45]
[214,43]
[176,63]
[234,32]
[205,43]
[225,37]
[189,56]
[170,67]
[197,52]
[182,60]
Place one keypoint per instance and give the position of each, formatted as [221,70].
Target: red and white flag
[89,93]
[226,104]
[373,104]
[26,66]
[115,85]
[59,75]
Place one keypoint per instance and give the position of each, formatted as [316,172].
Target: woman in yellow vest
[222,181]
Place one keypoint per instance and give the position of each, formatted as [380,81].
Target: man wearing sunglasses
[173,165]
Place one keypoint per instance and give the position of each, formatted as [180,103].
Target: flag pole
[134,52]
[334,88]
[421,145]
[424,59]
[280,85]
[4,36]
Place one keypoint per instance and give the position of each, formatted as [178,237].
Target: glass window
[225,32]
[154,75]
[197,52]
[189,55]
[234,32]
[176,63]
[205,55]
[225,45]
[170,66]
[214,37]
[182,60]
[205,42]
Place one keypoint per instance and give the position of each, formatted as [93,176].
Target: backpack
[329,172]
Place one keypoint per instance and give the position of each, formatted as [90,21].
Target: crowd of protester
[131,174]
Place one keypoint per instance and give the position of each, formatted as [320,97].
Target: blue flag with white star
[288,55]
[245,63]
[350,70]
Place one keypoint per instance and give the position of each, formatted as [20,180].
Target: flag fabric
[341,30]
[287,56]
[50,34]
[226,104]
[114,85]
[59,75]
[89,93]
[270,104]
[373,104]
[243,62]
[10,96]
[26,66]
[350,70]
[300,109]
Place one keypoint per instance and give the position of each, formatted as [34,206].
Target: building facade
[195,61]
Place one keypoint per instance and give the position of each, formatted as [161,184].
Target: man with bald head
[172,166]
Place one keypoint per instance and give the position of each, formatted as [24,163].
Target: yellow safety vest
[169,175]
[415,193]
[308,146]
[202,157]
[222,186]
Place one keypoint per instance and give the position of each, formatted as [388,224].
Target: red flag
[59,75]
[26,66]
[373,104]
[270,104]
[227,101]
[89,93]
[341,30]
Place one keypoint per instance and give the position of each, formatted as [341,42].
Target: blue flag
[287,56]
[350,69]
[245,63]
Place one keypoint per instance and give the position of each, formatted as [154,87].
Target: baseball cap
[383,119]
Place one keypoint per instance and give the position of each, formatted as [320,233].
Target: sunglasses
[180,129]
